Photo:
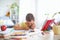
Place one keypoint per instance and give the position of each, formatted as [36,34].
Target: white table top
[30,35]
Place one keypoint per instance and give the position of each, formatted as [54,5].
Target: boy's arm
[18,27]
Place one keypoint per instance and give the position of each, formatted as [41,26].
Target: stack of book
[18,35]
[6,34]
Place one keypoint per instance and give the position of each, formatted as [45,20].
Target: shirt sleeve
[23,24]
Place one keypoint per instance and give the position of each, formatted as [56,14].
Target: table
[56,37]
[31,35]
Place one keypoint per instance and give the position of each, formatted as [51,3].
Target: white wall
[4,6]
[38,8]
[48,7]
[26,6]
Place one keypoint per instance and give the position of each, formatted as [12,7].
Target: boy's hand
[33,26]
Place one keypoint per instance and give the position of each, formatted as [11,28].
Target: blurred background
[41,9]
[14,11]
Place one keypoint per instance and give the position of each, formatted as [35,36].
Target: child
[29,24]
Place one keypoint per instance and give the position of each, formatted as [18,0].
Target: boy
[29,24]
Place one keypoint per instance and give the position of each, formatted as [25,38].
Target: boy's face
[30,22]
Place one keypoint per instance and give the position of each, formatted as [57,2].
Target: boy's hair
[29,17]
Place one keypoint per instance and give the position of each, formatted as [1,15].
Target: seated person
[29,24]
